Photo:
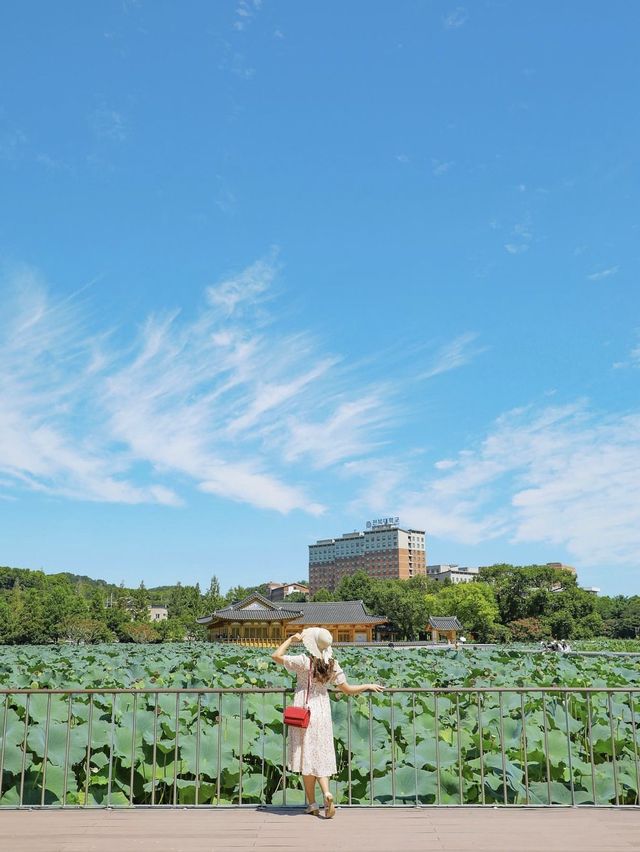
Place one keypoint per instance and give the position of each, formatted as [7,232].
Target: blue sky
[268,270]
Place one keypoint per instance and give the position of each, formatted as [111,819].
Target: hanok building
[256,619]
[444,627]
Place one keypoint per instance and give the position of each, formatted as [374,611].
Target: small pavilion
[444,627]
[259,620]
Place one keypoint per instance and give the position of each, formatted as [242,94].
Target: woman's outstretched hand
[375,687]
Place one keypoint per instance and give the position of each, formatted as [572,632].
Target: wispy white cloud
[457,18]
[226,402]
[561,476]
[244,290]
[516,248]
[44,370]
[244,12]
[458,352]
[603,273]
[633,358]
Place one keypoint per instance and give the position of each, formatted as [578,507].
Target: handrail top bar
[441,690]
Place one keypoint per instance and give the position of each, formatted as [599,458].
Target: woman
[311,751]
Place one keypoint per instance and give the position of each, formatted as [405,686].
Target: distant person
[311,751]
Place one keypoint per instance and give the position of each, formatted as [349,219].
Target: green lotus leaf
[208,762]
[57,744]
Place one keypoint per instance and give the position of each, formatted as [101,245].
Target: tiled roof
[254,596]
[307,612]
[250,615]
[336,612]
[444,622]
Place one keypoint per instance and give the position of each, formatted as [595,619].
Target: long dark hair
[322,671]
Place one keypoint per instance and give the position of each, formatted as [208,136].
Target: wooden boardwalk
[361,830]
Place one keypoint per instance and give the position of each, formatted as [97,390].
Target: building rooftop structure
[280,591]
[454,573]
[563,567]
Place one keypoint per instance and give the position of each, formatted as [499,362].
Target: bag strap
[306,700]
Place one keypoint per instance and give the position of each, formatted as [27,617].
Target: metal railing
[511,746]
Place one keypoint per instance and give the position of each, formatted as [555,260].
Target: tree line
[505,603]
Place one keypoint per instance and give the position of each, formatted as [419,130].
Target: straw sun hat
[317,641]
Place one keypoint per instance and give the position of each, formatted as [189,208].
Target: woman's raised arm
[278,654]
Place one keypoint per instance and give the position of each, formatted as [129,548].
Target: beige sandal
[313,809]
[329,807]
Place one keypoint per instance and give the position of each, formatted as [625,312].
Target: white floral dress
[311,750]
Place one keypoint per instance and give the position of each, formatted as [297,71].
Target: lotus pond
[396,748]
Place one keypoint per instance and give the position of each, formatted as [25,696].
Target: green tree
[139,603]
[323,596]
[87,630]
[474,604]
[528,630]
[141,632]
[60,602]
[405,608]
[589,626]
[562,624]
[212,599]
[356,587]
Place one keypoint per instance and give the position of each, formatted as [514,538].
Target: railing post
[437,737]
[349,748]
[393,755]
[24,747]
[635,745]
[524,745]
[197,793]
[566,716]
[481,744]
[546,745]
[112,738]
[45,756]
[370,752]
[66,752]
[219,747]
[460,785]
[613,748]
[415,746]
[502,753]
[87,771]
[241,747]
[4,739]
[133,747]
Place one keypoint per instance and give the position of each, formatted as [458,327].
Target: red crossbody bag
[299,717]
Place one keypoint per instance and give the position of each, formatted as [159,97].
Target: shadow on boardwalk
[361,830]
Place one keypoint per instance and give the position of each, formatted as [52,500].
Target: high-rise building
[383,550]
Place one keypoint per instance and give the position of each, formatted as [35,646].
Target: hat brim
[309,642]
